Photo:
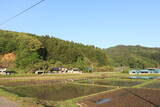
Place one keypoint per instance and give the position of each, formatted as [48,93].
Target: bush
[126,70]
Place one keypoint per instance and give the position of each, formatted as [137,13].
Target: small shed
[133,72]
[59,70]
[2,69]
[54,71]
[39,72]
[75,71]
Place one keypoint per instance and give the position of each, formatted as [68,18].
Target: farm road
[7,103]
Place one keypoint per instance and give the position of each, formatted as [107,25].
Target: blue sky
[103,23]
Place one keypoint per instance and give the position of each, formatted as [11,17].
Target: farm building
[142,77]
[145,71]
[60,70]
[39,72]
[64,71]
[74,71]
[3,71]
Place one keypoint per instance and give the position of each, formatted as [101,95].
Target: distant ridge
[134,56]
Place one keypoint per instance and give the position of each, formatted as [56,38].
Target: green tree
[81,64]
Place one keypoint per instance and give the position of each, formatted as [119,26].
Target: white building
[3,71]
[74,71]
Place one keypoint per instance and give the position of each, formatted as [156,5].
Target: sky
[103,23]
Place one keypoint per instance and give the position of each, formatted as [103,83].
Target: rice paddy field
[58,92]
[96,90]
[155,84]
[114,82]
[131,97]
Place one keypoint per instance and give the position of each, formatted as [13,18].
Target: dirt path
[7,103]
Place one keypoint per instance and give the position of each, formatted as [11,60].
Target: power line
[13,17]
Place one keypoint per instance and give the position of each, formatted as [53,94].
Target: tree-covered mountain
[134,56]
[33,51]
[28,52]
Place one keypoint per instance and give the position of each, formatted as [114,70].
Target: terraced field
[93,92]
[124,98]
[58,92]
[155,84]
[147,94]
[114,82]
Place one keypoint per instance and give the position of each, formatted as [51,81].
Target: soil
[125,98]
[7,103]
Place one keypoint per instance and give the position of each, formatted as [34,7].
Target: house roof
[55,69]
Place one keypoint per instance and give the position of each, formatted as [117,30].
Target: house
[142,77]
[154,70]
[145,71]
[60,70]
[74,71]
[10,72]
[63,70]
[3,71]
[39,72]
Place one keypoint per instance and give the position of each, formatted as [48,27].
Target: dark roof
[10,71]
[55,69]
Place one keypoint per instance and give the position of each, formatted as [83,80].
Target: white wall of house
[3,69]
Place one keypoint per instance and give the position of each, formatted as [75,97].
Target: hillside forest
[25,52]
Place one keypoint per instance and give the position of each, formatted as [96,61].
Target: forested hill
[134,56]
[28,52]
[34,51]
